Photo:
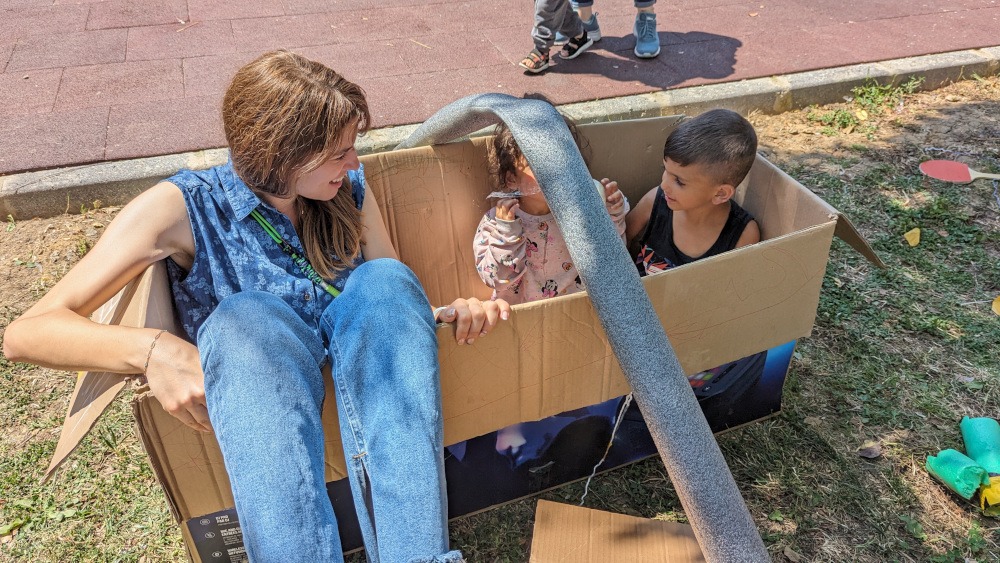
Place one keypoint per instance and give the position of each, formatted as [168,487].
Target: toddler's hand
[613,197]
[506,209]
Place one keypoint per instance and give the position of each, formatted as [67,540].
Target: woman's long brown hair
[285,114]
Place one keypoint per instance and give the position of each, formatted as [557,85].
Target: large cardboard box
[550,358]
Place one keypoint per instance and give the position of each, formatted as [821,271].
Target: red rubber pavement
[86,81]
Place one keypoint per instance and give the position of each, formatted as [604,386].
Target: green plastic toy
[982,442]
[958,472]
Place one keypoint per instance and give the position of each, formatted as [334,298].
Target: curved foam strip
[711,500]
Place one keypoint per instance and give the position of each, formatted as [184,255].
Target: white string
[618,421]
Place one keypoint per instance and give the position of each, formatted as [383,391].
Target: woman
[257,251]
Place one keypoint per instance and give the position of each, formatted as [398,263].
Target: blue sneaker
[590,26]
[647,42]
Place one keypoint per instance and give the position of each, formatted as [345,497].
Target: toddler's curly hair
[505,156]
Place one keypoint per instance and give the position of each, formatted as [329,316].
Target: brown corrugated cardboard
[715,310]
[572,534]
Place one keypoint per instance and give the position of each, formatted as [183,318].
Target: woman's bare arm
[375,236]
[56,332]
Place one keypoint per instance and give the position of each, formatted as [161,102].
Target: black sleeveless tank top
[657,251]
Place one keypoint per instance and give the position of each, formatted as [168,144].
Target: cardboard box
[552,356]
[572,534]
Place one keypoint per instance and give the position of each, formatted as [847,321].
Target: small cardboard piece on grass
[552,356]
[573,534]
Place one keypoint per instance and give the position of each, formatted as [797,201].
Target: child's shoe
[590,26]
[576,46]
[647,42]
[536,61]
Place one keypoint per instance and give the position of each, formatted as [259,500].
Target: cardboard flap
[573,534]
[96,390]
[846,232]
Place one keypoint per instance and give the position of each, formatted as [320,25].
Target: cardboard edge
[846,232]
[152,456]
[77,413]
[67,444]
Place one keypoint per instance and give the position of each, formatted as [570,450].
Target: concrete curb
[67,190]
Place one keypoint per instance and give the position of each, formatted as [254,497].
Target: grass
[897,357]
[871,99]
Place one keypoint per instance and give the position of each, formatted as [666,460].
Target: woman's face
[323,183]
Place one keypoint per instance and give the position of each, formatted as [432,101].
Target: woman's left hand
[474,318]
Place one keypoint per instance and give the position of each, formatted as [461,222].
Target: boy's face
[692,186]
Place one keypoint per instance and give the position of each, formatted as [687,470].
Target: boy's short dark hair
[720,139]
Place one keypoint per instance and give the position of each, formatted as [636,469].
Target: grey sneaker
[647,42]
[590,26]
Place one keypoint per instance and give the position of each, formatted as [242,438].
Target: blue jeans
[265,392]
[588,3]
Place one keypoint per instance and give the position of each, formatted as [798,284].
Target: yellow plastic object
[989,497]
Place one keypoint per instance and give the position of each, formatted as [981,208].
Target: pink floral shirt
[526,259]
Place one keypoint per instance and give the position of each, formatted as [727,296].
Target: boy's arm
[635,221]
[500,249]
[751,234]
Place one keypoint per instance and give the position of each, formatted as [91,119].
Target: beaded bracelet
[151,346]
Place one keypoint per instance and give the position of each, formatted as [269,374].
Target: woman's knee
[385,278]
[256,317]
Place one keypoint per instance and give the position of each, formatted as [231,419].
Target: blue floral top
[233,253]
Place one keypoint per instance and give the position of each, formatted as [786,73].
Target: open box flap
[96,390]
[573,534]
[847,233]
[799,206]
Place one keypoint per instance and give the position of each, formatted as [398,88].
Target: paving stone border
[53,192]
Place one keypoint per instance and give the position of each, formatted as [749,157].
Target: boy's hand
[506,209]
[613,197]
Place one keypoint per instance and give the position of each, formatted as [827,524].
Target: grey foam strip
[707,490]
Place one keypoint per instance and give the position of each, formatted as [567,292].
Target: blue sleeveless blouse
[233,253]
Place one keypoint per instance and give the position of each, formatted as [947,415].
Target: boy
[552,16]
[691,214]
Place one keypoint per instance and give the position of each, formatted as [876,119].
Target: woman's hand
[176,380]
[474,318]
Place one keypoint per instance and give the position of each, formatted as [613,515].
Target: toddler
[519,249]
[691,214]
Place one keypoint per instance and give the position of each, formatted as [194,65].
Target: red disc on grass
[946,171]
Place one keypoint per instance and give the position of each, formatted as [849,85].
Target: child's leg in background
[647,40]
[552,16]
